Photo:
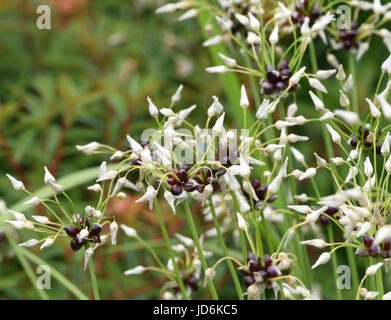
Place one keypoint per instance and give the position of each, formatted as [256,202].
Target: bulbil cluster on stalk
[370,249]
[348,37]
[81,223]
[277,79]
[261,193]
[258,271]
[365,138]
[303,9]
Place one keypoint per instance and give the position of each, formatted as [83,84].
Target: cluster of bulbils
[370,249]
[260,191]
[257,271]
[364,139]
[81,223]
[277,79]
[303,10]
[184,178]
[348,37]
[242,8]
[329,212]
[189,279]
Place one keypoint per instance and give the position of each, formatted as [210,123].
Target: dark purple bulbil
[304,10]
[370,249]
[330,211]
[260,191]
[188,280]
[80,223]
[362,137]
[348,37]
[257,270]
[277,79]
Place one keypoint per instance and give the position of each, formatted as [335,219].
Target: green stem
[352,67]
[26,266]
[353,265]
[379,284]
[198,246]
[94,282]
[225,251]
[334,261]
[171,253]
[64,281]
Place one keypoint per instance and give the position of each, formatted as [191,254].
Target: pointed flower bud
[341,73]
[332,60]
[153,110]
[386,66]
[314,215]
[320,161]
[323,258]
[188,242]
[117,155]
[244,103]
[130,232]
[48,243]
[319,105]
[371,270]
[334,134]
[385,148]
[218,128]
[57,188]
[227,60]
[88,254]
[41,219]
[113,232]
[135,146]
[216,107]
[308,174]
[262,110]
[296,77]
[177,95]
[89,148]
[48,176]
[188,14]
[349,117]
[242,224]
[135,270]
[149,195]
[21,224]
[381,234]
[374,111]
[324,74]
[254,22]
[315,83]
[368,169]
[170,198]
[217,69]
[33,201]
[109,175]
[96,187]
[317,243]
[343,99]
[273,38]
[29,243]
[16,184]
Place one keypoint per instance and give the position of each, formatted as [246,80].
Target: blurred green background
[86,80]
